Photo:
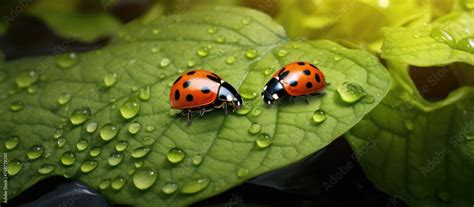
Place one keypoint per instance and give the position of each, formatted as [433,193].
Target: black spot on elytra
[309,85]
[307,72]
[189,98]
[179,78]
[281,70]
[191,72]
[176,95]
[205,89]
[214,78]
[318,79]
[301,63]
[186,84]
[284,74]
[293,83]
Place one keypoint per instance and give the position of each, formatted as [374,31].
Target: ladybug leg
[202,112]
[291,99]
[318,94]
[190,117]
[224,106]
[305,98]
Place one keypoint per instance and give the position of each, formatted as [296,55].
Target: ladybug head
[273,91]
[229,95]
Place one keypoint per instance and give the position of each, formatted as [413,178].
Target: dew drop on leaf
[156,31]
[121,145]
[257,111]
[144,178]
[212,30]
[369,99]
[68,158]
[165,62]
[145,93]
[118,183]
[67,60]
[351,92]
[32,89]
[80,115]
[337,58]
[110,79]
[61,142]
[104,184]
[268,71]
[230,60]
[82,144]
[319,116]
[248,94]
[251,53]
[245,109]
[255,128]
[115,159]
[442,36]
[242,172]
[191,62]
[138,164]
[91,127]
[46,169]
[14,167]
[154,50]
[140,152]
[95,151]
[130,108]
[282,53]
[220,39]
[64,98]
[108,131]
[203,51]
[197,159]
[466,44]
[12,142]
[134,127]
[176,155]
[169,188]
[264,140]
[195,186]
[246,20]
[26,79]
[150,128]
[16,106]
[88,166]
[35,152]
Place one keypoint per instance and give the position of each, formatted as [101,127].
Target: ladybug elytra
[297,79]
[203,91]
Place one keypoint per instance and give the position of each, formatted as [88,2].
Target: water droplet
[130,108]
[197,159]
[368,99]
[91,127]
[212,30]
[165,62]
[110,79]
[35,152]
[150,128]
[169,188]
[104,184]
[417,35]
[16,106]
[203,51]
[282,53]
[66,60]
[68,158]
[245,109]
[140,152]
[263,140]
[80,115]
[409,124]
[156,31]
[337,58]
[220,39]
[176,155]
[255,128]
[61,142]
[144,178]
[46,169]
[351,92]
[26,79]
[134,127]
[251,53]
[88,166]
[145,93]
[247,94]
[32,89]
[58,133]
[230,60]
[108,131]
[118,183]
[12,142]
[121,145]
[195,186]
[242,172]
[115,159]
[257,111]
[246,20]
[95,151]
[154,50]
[442,36]
[319,116]
[139,164]
[466,44]
[14,167]
[268,71]
[82,144]
[64,98]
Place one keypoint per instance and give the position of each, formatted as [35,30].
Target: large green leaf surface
[419,151]
[243,46]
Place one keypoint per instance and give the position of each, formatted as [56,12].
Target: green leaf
[65,18]
[98,87]
[419,151]
[449,39]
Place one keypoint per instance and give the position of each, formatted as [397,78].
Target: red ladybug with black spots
[297,79]
[203,91]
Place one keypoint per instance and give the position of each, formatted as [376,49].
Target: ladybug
[203,91]
[297,79]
